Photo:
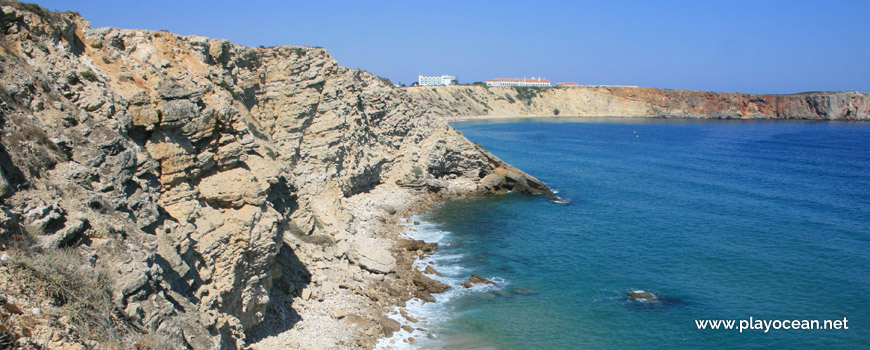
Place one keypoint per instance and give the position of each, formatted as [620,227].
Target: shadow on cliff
[280,315]
[14,176]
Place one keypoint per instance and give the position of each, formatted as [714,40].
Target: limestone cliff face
[452,101]
[198,173]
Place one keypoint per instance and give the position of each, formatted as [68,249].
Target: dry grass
[79,293]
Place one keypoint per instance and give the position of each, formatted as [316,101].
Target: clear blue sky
[745,46]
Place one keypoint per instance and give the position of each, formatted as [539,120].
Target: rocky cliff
[201,194]
[465,101]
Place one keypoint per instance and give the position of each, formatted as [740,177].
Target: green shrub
[319,239]
[256,132]
[90,76]
[556,111]
[229,89]
[385,81]
[295,230]
[271,153]
[527,93]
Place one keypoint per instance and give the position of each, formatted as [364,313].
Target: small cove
[723,219]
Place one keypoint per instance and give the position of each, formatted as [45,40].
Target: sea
[719,219]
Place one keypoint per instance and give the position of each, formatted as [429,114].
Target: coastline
[365,315]
[355,316]
[462,118]
[735,145]
[261,210]
[261,195]
[474,102]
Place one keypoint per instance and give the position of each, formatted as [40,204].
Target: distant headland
[478,101]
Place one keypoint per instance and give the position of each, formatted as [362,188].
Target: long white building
[518,82]
[423,80]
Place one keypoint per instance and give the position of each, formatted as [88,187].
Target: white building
[518,82]
[435,80]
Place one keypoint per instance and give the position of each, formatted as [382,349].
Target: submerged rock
[475,279]
[642,295]
[427,284]
[521,290]
[432,271]
[416,244]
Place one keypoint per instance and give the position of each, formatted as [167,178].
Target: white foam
[431,316]
[560,200]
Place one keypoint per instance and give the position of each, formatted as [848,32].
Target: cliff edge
[185,192]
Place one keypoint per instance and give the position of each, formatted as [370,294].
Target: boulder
[430,285]
[44,220]
[388,208]
[5,189]
[389,325]
[492,181]
[177,113]
[432,271]
[65,236]
[371,254]
[416,244]
[232,188]
[475,279]
[641,295]
[144,116]
[169,89]
[424,296]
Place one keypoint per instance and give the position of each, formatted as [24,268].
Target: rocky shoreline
[391,217]
[388,211]
[201,194]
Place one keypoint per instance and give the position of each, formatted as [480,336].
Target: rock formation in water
[217,194]
[465,101]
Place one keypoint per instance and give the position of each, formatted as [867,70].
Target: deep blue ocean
[720,219]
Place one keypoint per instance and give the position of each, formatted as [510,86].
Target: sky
[733,46]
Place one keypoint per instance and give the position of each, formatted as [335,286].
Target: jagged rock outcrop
[465,101]
[216,184]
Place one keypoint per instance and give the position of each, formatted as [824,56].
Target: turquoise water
[722,219]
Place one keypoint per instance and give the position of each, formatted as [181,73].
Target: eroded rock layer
[217,185]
